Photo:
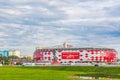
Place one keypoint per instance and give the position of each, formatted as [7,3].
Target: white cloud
[10,11]
[1,34]
[28,7]
[25,24]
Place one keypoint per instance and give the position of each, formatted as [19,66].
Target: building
[14,53]
[7,53]
[75,55]
[4,53]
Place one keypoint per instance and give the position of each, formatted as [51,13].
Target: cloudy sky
[25,24]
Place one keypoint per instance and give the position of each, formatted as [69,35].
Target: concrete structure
[75,55]
[65,44]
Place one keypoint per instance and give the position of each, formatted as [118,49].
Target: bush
[18,63]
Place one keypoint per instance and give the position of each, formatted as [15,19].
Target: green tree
[13,57]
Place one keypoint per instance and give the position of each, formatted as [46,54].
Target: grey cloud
[28,23]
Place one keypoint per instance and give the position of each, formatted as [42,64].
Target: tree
[13,57]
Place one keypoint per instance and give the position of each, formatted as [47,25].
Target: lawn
[58,72]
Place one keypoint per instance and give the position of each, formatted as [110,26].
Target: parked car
[28,64]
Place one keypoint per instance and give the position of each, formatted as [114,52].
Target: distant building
[30,56]
[14,53]
[7,53]
[4,53]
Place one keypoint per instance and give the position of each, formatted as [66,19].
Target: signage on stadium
[70,55]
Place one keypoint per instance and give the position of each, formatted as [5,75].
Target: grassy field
[58,72]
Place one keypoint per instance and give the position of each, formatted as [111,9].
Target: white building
[14,53]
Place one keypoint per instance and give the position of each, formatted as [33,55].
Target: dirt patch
[88,78]
[74,77]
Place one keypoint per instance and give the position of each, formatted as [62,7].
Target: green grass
[57,72]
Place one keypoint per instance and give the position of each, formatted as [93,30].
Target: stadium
[75,55]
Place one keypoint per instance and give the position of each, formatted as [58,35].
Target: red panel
[86,56]
[38,55]
[81,59]
[59,59]
[81,50]
[59,50]
[48,58]
[111,55]
[92,51]
[59,55]
[70,55]
[48,53]
[45,57]
[92,58]
[81,55]
[96,58]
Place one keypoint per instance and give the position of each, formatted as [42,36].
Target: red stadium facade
[75,55]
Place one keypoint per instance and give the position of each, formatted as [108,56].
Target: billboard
[70,55]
